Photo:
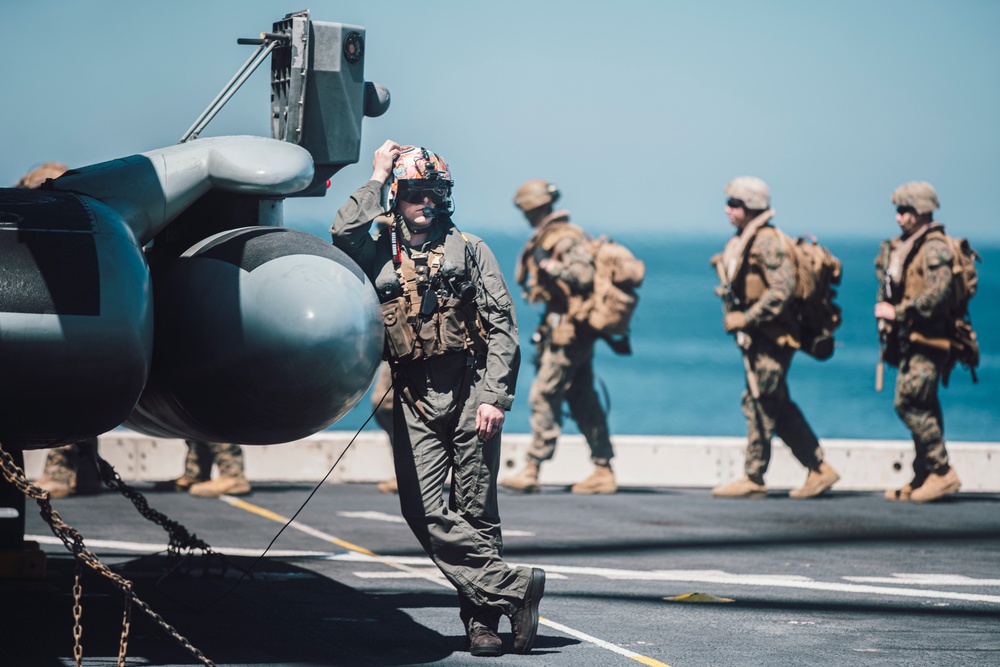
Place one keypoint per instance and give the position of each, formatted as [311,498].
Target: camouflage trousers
[917,404]
[201,455]
[566,375]
[774,413]
[62,463]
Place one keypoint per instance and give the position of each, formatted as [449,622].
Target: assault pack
[608,309]
[617,275]
[818,272]
[964,283]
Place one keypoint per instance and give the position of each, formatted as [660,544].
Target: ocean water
[685,376]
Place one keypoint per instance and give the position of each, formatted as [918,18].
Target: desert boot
[741,488]
[525,481]
[602,480]
[936,486]
[818,481]
[232,486]
[899,495]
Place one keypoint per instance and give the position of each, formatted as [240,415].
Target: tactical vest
[541,245]
[429,303]
[913,281]
[750,284]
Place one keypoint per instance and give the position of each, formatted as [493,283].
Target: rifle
[883,335]
[883,332]
[730,302]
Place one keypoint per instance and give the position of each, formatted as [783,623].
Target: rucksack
[817,271]
[964,283]
[617,274]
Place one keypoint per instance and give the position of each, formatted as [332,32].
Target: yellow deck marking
[268,514]
[431,577]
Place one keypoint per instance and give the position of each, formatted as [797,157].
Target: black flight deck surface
[646,576]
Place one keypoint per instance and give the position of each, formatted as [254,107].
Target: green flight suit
[434,415]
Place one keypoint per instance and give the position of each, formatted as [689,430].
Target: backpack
[618,273]
[817,271]
[964,284]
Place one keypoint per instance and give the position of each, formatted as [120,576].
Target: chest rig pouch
[435,311]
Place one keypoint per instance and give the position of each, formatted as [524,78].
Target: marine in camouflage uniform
[452,343]
[556,267]
[759,274]
[69,472]
[914,272]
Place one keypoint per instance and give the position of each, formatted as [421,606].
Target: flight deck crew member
[556,265]
[451,339]
[915,277]
[758,274]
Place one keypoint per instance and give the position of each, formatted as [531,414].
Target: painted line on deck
[153,547]
[435,578]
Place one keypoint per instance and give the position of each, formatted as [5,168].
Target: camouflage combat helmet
[34,178]
[751,191]
[419,168]
[919,195]
[535,193]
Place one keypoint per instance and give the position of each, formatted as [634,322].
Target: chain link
[73,541]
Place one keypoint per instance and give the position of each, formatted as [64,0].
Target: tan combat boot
[741,488]
[936,487]
[899,495]
[180,484]
[818,481]
[525,481]
[389,486]
[602,480]
[230,486]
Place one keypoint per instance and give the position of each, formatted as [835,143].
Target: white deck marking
[927,580]
[153,547]
[426,574]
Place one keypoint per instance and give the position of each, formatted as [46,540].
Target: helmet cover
[752,191]
[535,193]
[919,195]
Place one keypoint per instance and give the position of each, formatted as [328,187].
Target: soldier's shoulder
[937,250]
[769,243]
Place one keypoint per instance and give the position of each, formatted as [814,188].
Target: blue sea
[685,376]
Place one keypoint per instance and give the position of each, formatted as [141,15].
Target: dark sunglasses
[735,203]
[436,193]
[903,210]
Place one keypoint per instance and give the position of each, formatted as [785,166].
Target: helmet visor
[415,193]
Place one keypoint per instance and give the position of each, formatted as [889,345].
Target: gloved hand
[734,321]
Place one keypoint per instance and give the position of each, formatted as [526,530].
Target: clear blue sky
[640,110]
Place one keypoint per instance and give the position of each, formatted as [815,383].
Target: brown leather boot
[230,486]
[525,481]
[936,486]
[388,486]
[818,481]
[602,480]
[484,641]
[741,488]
